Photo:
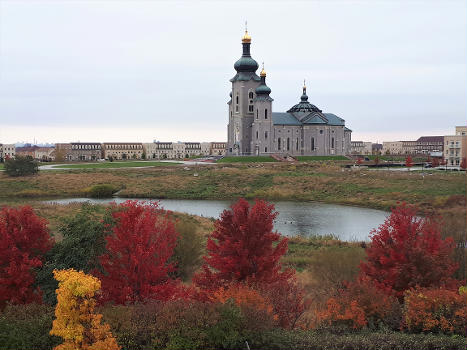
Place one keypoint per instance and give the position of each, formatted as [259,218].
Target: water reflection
[295,218]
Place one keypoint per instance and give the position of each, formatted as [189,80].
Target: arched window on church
[332,142]
[296,145]
[265,135]
[288,143]
[257,113]
[256,134]
[312,143]
[279,143]
[266,113]
[250,95]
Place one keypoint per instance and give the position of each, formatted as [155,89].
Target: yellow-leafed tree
[76,322]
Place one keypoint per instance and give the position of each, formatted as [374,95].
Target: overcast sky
[153,70]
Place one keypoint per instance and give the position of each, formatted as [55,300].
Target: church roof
[284,119]
[307,119]
[305,113]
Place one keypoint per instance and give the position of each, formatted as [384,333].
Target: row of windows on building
[279,145]
[120,146]
[86,146]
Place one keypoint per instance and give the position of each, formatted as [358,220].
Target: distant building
[361,147]
[122,150]
[409,147]
[377,148]
[181,150]
[392,147]
[424,145]
[63,152]
[44,154]
[454,149]
[427,144]
[461,130]
[7,151]
[85,151]
[218,148]
[26,151]
[455,146]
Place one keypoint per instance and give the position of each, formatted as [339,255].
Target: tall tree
[243,247]
[76,320]
[407,251]
[24,239]
[136,264]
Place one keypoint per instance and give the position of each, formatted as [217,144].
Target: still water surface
[295,218]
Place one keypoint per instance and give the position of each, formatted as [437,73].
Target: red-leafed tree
[435,162]
[24,239]
[463,164]
[244,249]
[408,162]
[359,161]
[241,248]
[407,251]
[136,263]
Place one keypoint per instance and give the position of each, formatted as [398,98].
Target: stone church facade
[254,129]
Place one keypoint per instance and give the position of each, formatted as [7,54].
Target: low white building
[7,151]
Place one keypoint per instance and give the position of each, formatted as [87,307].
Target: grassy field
[247,159]
[316,158]
[314,181]
[105,165]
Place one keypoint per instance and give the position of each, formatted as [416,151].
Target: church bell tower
[241,104]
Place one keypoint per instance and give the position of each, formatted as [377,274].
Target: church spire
[263,89]
[246,37]
[304,97]
[246,63]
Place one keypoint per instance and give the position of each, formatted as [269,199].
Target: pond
[295,218]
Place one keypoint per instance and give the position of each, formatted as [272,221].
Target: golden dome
[246,38]
[263,72]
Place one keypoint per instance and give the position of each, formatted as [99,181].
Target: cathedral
[254,129]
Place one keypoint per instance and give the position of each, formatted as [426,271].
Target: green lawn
[311,158]
[247,159]
[129,164]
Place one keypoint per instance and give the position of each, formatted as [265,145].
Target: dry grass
[274,181]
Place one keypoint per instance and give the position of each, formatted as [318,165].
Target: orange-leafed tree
[24,239]
[359,304]
[436,310]
[136,263]
[76,320]
[244,249]
[408,251]
[338,313]
[243,296]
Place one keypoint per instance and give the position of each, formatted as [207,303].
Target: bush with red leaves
[24,239]
[407,251]
[243,248]
[136,263]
